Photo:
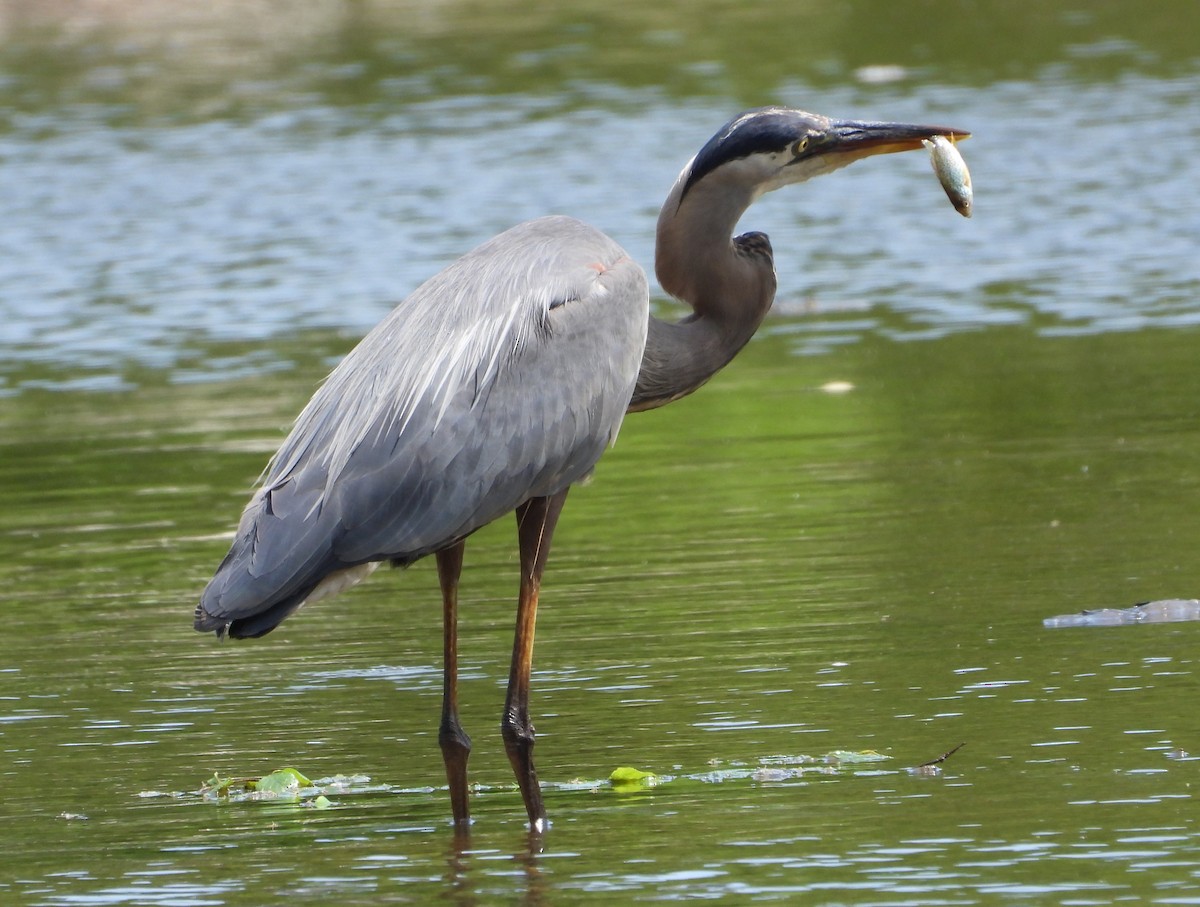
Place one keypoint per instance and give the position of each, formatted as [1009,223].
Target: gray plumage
[489,385]
[499,383]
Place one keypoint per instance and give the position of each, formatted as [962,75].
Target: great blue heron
[497,385]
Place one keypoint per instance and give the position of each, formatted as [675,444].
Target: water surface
[202,215]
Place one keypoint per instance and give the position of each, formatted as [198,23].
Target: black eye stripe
[754,132]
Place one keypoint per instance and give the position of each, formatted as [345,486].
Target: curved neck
[679,358]
[729,284]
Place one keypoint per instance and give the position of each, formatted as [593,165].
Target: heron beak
[858,140]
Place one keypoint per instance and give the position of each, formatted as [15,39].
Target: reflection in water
[459,887]
[470,872]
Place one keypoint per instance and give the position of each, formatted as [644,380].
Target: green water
[202,212]
[763,572]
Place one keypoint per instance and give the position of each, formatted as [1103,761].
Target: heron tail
[249,627]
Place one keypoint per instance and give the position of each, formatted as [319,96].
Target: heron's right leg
[456,745]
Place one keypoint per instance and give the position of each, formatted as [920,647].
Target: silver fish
[951,172]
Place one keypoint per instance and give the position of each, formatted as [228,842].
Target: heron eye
[800,147]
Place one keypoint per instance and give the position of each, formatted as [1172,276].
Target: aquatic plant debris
[281,781]
[626,777]
[853,757]
[289,786]
[1165,611]
[943,757]
[769,769]
[286,784]
[933,767]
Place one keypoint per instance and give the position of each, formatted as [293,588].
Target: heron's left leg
[456,745]
[536,520]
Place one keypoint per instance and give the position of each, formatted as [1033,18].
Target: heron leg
[536,520]
[455,744]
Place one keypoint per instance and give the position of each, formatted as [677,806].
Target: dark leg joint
[454,741]
[518,735]
[517,732]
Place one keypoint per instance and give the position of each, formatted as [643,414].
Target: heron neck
[729,285]
[679,358]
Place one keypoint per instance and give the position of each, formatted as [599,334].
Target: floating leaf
[631,777]
[321,802]
[282,781]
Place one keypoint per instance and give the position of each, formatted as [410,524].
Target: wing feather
[493,383]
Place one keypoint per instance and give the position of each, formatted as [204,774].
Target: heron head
[764,149]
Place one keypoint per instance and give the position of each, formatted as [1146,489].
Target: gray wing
[502,378]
